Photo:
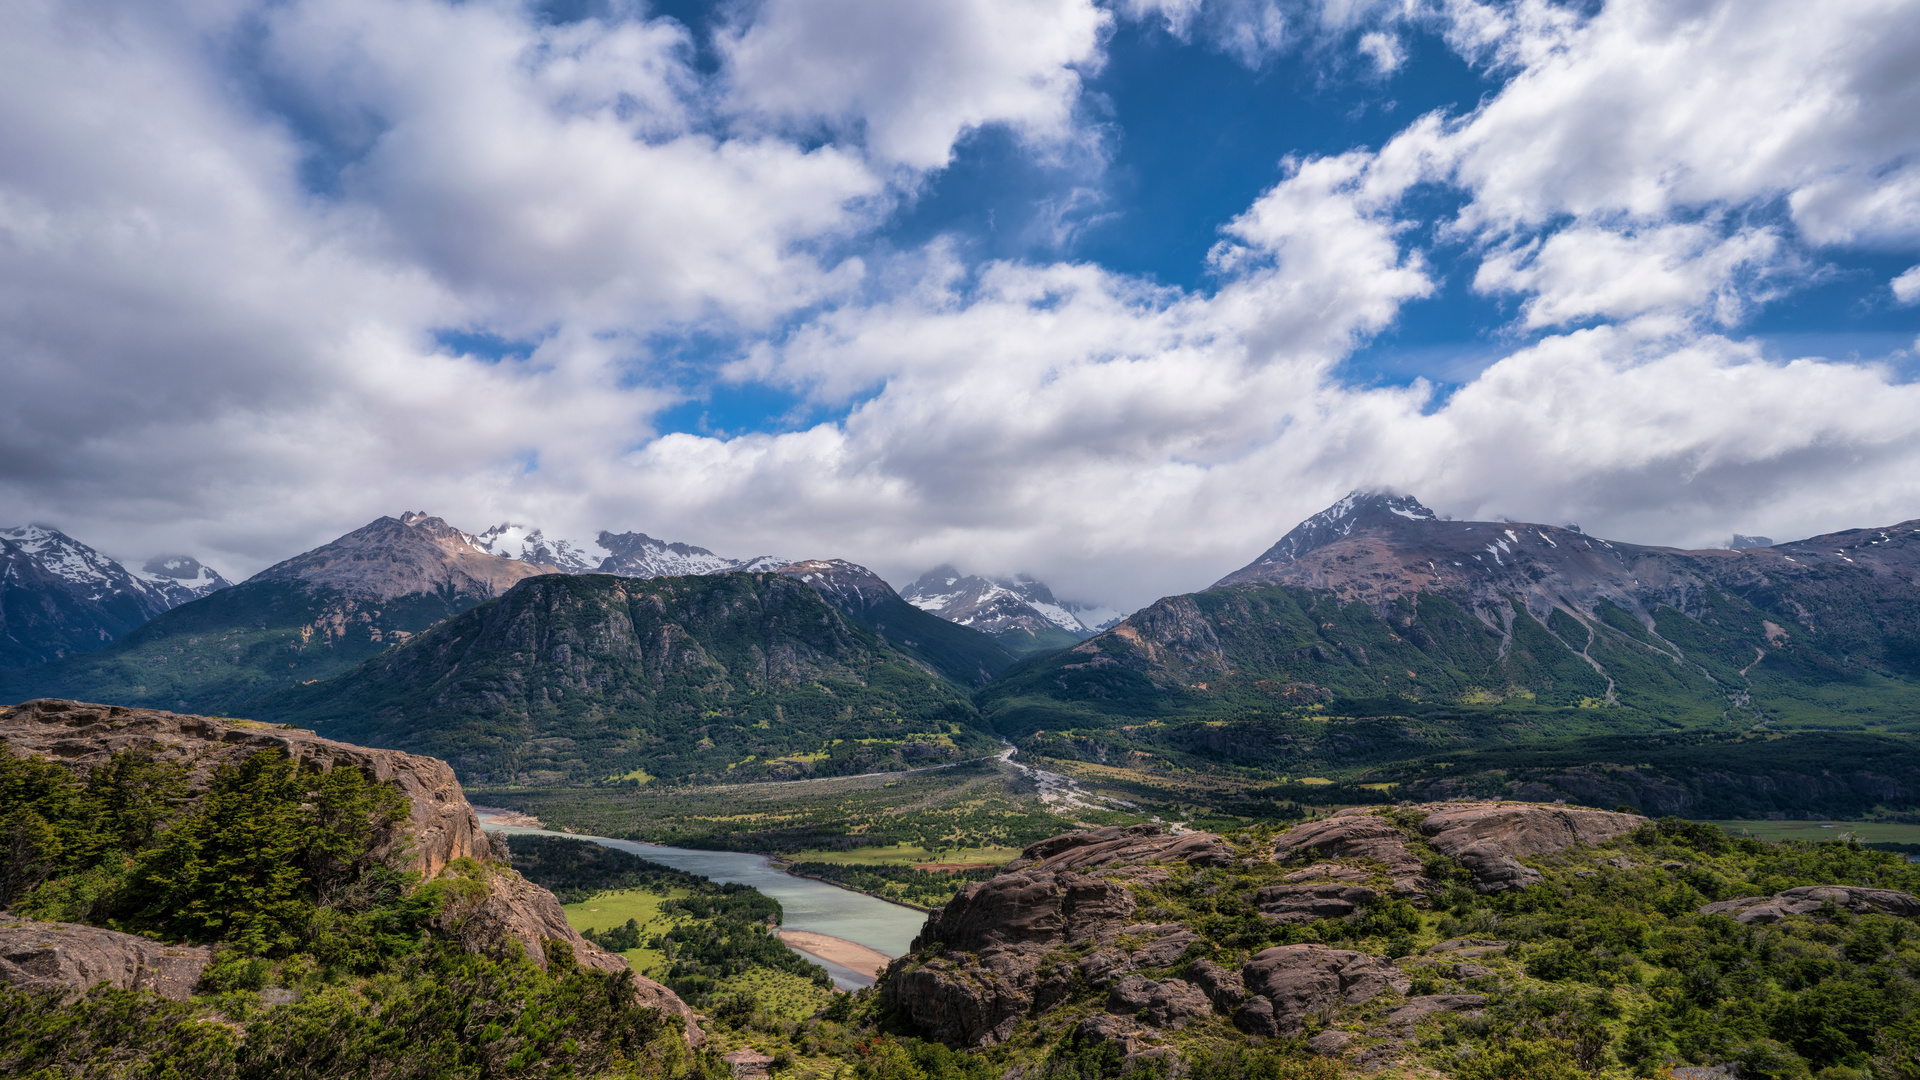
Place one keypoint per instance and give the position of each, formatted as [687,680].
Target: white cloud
[918,76]
[195,336]
[1588,271]
[1384,50]
[1906,287]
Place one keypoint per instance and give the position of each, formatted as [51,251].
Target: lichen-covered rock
[1297,982]
[1305,903]
[1419,1008]
[1356,833]
[1165,944]
[1811,899]
[1489,839]
[442,828]
[1330,1042]
[1222,986]
[69,958]
[1123,844]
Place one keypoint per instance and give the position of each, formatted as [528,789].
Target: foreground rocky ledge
[1063,919]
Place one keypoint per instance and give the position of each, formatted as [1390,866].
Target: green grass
[609,910]
[1868,832]
[782,994]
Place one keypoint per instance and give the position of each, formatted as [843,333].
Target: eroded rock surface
[1289,984]
[443,826]
[70,958]
[1489,838]
[1811,899]
[1123,844]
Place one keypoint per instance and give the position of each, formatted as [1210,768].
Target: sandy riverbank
[847,954]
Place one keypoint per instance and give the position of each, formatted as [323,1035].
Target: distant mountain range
[1376,607]
[1019,612]
[59,597]
[1373,631]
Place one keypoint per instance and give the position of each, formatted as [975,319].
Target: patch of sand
[847,954]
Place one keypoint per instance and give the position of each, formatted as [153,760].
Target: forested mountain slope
[575,678]
[306,618]
[1375,608]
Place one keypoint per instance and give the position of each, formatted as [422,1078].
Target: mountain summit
[1020,612]
[59,597]
[1360,511]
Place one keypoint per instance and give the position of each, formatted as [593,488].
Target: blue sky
[1109,291]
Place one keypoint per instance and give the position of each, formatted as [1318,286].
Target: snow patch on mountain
[999,605]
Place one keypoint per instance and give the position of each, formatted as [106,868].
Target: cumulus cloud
[223,290]
[915,77]
[1906,287]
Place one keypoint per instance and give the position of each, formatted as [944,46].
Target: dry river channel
[813,908]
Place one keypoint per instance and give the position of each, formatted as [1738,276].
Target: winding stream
[808,904]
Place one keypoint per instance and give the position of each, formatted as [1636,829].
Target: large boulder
[1358,833]
[1489,839]
[79,735]
[1812,899]
[69,958]
[1289,984]
[991,938]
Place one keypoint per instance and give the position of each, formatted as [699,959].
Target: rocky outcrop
[1487,838]
[1812,899]
[68,958]
[1123,845]
[1166,1003]
[442,827]
[1290,984]
[993,937]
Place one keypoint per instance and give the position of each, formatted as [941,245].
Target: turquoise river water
[808,904]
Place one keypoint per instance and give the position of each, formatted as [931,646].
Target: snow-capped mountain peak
[1357,510]
[1018,605]
[531,545]
[78,599]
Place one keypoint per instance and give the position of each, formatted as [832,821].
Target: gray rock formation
[1487,838]
[443,827]
[1290,984]
[1811,899]
[1122,844]
[65,957]
[409,555]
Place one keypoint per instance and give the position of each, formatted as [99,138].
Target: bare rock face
[1290,983]
[78,735]
[1122,844]
[1489,838]
[70,958]
[405,556]
[1305,903]
[1810,899]
[1223,986]
[1168,1003]
[1355,833]
[993,936]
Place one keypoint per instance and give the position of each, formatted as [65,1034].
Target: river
[807,904]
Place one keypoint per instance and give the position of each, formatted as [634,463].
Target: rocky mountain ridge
[504,912]
[60,597]
[1020,612]
[586,677]
[1378,598]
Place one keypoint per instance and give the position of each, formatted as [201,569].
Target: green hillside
[218,653]
[1272,676]
[590,678]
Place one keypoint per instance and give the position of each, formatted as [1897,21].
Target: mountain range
[1376,607]
[1374,631]
[1019,612]
[59,597]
